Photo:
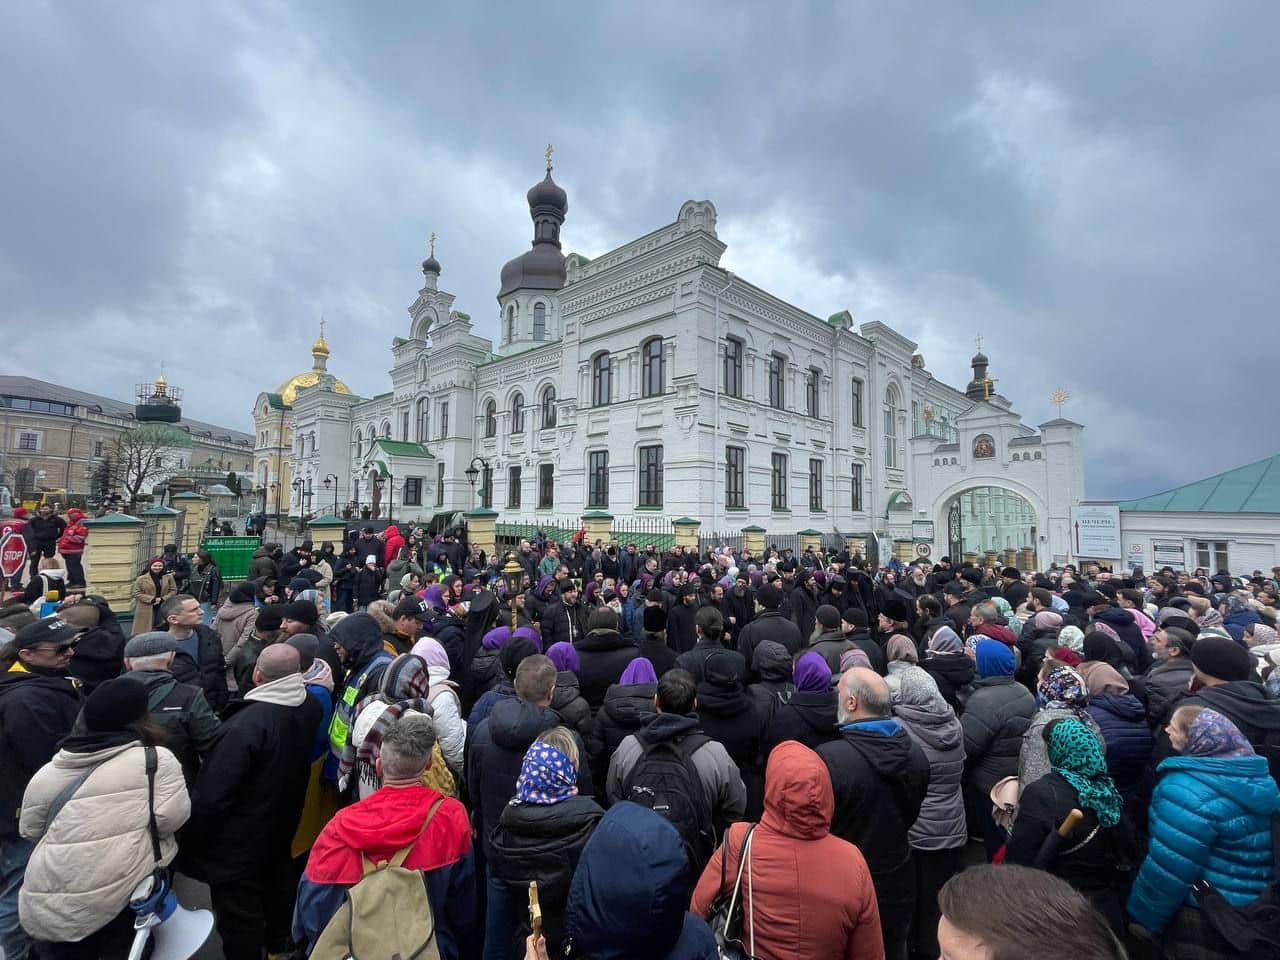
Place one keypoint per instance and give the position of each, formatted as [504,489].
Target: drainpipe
[715,453]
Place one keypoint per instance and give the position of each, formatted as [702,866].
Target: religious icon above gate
[984,448]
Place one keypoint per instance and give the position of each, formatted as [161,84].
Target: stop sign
[13,554]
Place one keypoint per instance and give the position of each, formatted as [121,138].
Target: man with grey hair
[880,777]
[246,804]
[401,815]
[189,723]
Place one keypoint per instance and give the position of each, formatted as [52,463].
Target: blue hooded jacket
[637,913]
[1210,819]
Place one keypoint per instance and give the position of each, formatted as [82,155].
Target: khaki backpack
[385,916]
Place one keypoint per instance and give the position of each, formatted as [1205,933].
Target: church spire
[982,386]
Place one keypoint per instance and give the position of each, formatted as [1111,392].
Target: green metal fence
[232,555]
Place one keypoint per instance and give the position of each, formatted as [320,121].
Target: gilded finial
[550,150]
[1059,399]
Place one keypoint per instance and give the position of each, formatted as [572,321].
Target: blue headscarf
[547,776]
[994,659]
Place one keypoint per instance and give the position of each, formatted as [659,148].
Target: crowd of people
[804,756]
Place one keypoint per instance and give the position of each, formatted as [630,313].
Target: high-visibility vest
[345,709]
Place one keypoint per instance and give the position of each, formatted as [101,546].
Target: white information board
[1095,532]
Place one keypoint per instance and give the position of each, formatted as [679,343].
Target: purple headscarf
[496,638]
[639,670]
[727,583]
[530,634]
[564,656]
[434,596]
[812,673]
[1212,735]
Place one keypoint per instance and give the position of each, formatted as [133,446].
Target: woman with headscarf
[1012,620]
[809,715]
[901,652]
[1077,779]
[939,833]
[540,836]
[446,704]
[1060,693]
[1123,722]
[88,813]
[567,699]
[995,717]
[945,661]
[628,706]
[1210,820]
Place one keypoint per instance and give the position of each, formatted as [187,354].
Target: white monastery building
[652,382]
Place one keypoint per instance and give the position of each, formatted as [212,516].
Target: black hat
[654,619]
[769,597]
[48,630]
[270,616]
[828,616]
[895,608]
[115,705]
[1011,573]
[970,575]
[1092,598]
[855,617]
[304,611]
[513,653]
[1221,658]
[410,606]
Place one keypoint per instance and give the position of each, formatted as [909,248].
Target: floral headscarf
[1076,753]
[1071,637]
[1262,634]
[1213,735]
[1064,689]
[547,776]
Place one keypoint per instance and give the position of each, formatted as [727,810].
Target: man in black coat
[769,624]
[41,533]
[681,635]
[804,603]
[563,620]
[880,777]
[199,661]
[38,705]
[246,804]
[603,655]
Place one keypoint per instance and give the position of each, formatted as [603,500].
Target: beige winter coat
[98,848]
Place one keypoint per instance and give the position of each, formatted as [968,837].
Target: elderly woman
[945,660]
[1060,693]
[901,652]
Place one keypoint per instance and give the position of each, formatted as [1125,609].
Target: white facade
[1238,542]
[654,345]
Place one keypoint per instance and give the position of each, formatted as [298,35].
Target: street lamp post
[512,577]
[332,479]
[379,476]
[471,473]
[275,498]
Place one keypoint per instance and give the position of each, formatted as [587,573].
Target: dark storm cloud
[1089,187]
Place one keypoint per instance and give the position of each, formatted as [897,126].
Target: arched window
[423,420]
[548,407]
[386,429]
[491,419]
[652,374]
[359,444]
[511,323]
[891,426]
[539,321]
[517,414]
[601,380]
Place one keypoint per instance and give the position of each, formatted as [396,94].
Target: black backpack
[665,780]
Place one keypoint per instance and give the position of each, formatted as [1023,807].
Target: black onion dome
[548,196]
[431,265]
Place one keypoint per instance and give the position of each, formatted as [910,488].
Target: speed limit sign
[923,549]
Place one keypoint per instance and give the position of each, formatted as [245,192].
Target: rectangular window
[97,448]
[404,426]
[778,481]
[811,391]
[1212,555]
[444,419]
[28,441]
[486,487]
[650,459]
[546,486]
[440,485]
[733,350]
[598,479]
[413,492]
[857,402]
[735,476]
[857,488]
[777,394]
[513,486]
[815,485]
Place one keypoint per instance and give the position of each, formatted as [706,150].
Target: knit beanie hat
[1221,658]
[855,617]
[115,705]
[828,616]
[304,611]
[270,616]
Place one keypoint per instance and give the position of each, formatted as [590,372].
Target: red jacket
[394,544]
[74,536]
[811,892]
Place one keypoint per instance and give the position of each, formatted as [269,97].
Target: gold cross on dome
[322,326]
[433,243]
[550,150]
[987,384]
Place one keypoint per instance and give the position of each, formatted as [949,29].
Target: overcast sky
[1091,187]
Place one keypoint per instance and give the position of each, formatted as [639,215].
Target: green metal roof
[1253,488]
[404,448]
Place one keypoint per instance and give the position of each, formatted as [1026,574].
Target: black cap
[48,630]
[410,606]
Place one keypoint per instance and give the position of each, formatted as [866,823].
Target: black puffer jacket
[567,701]
[542,842]
[769,625]
[694,660]
[772,664]
[1137,656]
[808,717]
[36,711]
[953,673]
[210,674]
[602,657]
[996,715]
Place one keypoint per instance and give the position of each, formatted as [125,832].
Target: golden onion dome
[161,384]
[289,389]
[320,348]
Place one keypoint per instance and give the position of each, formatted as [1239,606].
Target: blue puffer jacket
[1211,820]
[1128,738]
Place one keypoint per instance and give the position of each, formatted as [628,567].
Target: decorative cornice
[615,308]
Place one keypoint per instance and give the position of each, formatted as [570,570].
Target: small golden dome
[320,348]
[289,389]
[161,385]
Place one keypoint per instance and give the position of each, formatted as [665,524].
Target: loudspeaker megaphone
[178,932]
